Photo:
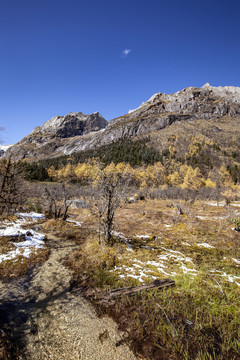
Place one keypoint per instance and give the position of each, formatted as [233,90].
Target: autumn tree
[225,178]
[193,179]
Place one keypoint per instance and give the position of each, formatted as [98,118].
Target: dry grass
[197,319]
[20,265]
[64,230]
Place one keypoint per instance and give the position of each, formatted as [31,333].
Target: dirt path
[51,322]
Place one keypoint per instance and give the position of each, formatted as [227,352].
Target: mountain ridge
[74,132]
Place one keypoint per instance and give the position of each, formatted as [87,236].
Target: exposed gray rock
[70,125]
[78,204]
[76,131]
[58,132]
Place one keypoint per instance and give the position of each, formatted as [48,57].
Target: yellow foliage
[193,179]
[229,194]
[209,183]
[225,178]
[152,175]
[172,150]
[174,178]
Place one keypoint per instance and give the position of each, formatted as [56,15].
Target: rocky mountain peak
[203,102]
[206,85]
[72,124]
[76,131]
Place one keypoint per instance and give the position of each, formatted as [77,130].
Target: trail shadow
[20,310]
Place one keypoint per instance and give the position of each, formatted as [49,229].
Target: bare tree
[57,197]
[11,195]
[107,198]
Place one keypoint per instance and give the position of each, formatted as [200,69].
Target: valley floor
[49,321]
[45,313]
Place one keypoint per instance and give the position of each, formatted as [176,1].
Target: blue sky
[59,56]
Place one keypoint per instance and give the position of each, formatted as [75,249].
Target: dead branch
[128,291]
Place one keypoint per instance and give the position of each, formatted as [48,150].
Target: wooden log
[135,289]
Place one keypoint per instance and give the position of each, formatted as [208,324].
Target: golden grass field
[198,318]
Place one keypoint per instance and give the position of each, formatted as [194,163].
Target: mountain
[203,108]
[3,149]
[52,138]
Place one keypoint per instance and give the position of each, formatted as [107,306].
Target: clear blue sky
[58,56]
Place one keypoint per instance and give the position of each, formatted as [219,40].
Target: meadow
[197,247]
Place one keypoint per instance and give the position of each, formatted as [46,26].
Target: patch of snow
[201,217]
[146,237]
[33,239]
[210,217]
[138,266]
[236,261]
[74,222]
[230,278]
[130,111]
[122,237]
[205,245]
[234,204]
[186,270]
[185,243]
[155,263]
[5,147]
[32,215]
[118,234]
[215,203]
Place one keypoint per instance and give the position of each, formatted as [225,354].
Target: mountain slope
[55,134]
[76,132]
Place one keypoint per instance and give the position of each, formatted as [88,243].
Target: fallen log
[135,289]
[113,294]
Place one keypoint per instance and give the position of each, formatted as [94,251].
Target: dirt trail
[51,322]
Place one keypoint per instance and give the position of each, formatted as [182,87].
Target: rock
[78,204]
[55,135]
[131,200]
[64,135]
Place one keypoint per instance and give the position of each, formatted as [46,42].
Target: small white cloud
[126,52]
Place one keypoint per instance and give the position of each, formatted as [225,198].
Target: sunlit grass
[199,318]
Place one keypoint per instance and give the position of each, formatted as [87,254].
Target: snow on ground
[210,217]
[169,262]
[222,203]
[235,203]
[31,215]
[144,237]
[148,269]
[4,148]
[123,238]
[227,277]
[74,222]
[236,261]
[33,239]
[205,245]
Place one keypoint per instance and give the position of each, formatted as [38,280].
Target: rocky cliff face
[76,131]
[55,134]
[70,125]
